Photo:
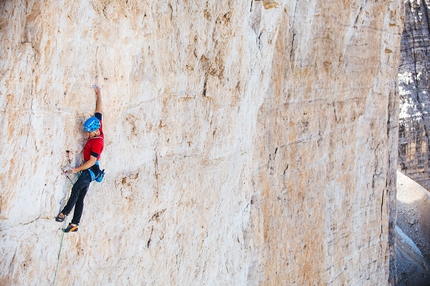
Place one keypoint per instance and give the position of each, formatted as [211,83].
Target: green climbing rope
[59,251]
[64,226]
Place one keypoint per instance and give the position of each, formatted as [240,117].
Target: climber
[90,169]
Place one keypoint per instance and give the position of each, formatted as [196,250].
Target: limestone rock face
[247,143]
[414,85]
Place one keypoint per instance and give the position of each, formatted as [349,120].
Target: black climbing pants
[77,196]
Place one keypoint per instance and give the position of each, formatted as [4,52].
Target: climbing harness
[96,173]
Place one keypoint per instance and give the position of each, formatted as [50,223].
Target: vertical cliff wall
[247,142]
[414,87]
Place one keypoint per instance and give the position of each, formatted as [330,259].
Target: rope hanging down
[59,252]
[64,170]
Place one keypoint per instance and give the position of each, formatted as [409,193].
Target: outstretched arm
[99,108]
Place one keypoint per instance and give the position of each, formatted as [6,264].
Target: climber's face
[91,134]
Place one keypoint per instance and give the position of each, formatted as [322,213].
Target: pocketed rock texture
[247,142]
[414,84]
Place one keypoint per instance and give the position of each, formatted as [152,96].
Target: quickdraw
[64,170]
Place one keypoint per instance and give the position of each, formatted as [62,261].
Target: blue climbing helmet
[91,124]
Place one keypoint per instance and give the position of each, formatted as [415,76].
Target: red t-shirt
[94,146]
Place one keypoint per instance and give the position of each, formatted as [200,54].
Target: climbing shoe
[71,228]
[60,217]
